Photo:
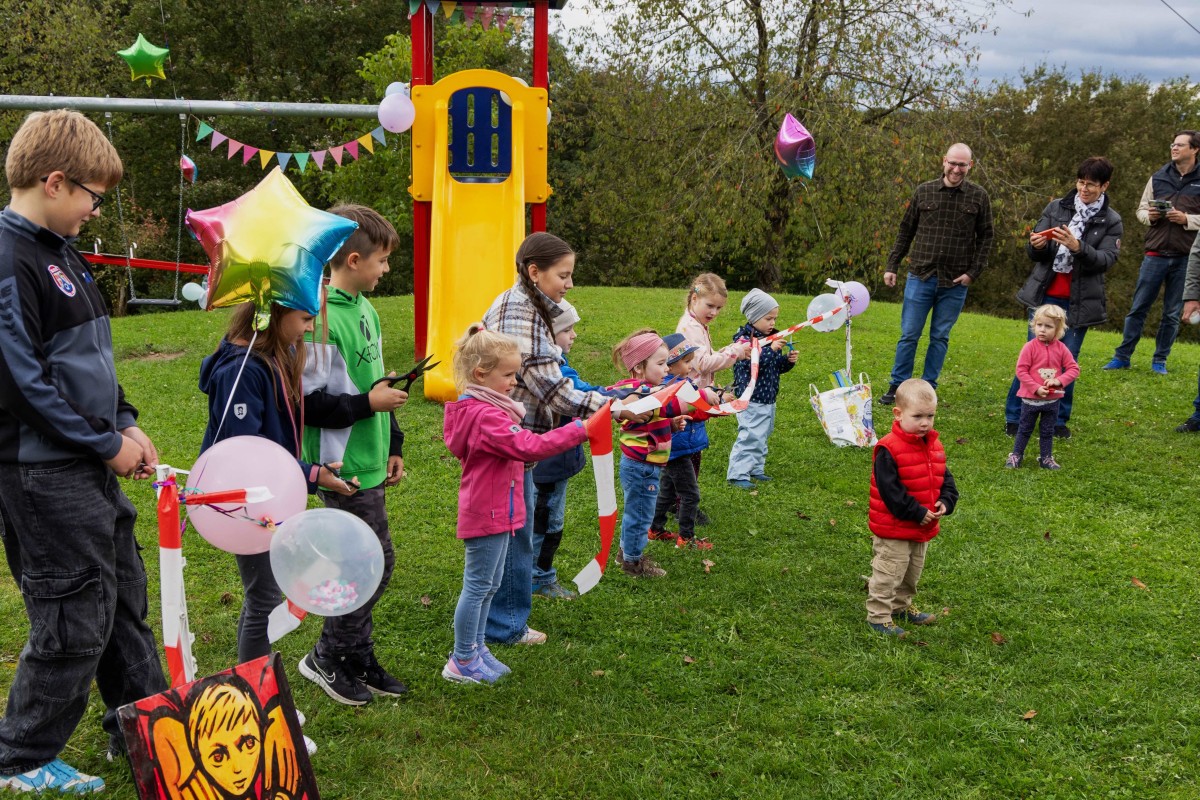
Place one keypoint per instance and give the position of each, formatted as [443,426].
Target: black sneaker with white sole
[334,675]
[371,674]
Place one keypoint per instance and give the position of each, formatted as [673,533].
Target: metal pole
[28,102]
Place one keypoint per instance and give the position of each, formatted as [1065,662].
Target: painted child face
[565,339]
[370,268]
[294,324]
[916,417]
[655,370]
[503,377]
[705,308]
[683,365]
[767,323]
[554,280]
[1045,329]
[230,757]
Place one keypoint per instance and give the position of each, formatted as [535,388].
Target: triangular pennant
[352,149]
[336,152]
[264,156]
[457,18]
[284,158]
[469,13]
[521,4]
[501,18]
[413,7]
[205,130]
[233,148]
[487,14]
[432,5]
[319,157]
[302,160]
[366,141]
[448,7]
[380,136]
[217,138]
[247,154]
[516,24]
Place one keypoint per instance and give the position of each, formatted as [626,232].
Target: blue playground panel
[480,136]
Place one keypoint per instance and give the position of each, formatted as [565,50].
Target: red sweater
[1054,357]
[920,463]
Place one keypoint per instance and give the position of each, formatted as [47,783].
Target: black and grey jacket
[1099,247]
[59,396]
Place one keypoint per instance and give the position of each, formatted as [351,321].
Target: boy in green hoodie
[345,356]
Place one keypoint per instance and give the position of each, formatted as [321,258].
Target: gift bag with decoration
[845,412]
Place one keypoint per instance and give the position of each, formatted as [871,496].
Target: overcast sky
[1124,37]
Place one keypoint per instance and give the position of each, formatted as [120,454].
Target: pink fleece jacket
[1040,360]
[706,362]
[493,450]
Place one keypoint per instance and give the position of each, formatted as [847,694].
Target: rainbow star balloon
[268,246]
[795,149]
[145,60]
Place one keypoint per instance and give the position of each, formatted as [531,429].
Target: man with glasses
[1171,207]
[948,229]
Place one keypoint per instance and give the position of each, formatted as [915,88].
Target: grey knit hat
[567,317]
[757,304]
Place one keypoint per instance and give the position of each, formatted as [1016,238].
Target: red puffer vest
[922,465]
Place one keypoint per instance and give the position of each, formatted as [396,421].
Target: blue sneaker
[888,628]
[1158,367]
[474,671]
[494,664]
[914,615]
[741,484]
[1116,363]
[762,477]
[57,776]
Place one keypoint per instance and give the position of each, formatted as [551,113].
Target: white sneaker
[532,637]
[310,746]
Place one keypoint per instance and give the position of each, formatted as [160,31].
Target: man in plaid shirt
[947,234]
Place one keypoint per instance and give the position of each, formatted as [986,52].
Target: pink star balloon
[795,149]
[268,246]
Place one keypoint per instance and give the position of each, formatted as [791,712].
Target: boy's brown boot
[643,568]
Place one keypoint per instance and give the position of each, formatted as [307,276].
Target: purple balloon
[795,149]
[860,298]
[397,112]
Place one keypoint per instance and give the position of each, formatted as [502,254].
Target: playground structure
[479,157]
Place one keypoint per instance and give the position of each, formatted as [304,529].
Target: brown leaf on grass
[849,502]
[226,598]
[1140,585]
[754,492]
[961,440]
[945,611]
[1028,715]
[689,660]
[785,570]
[731,689]
[998,638]
[802,515]
[598,673]
[991,413]
[425,600]
[708,565]
[1130,423]
[833,522]
[1046,535]
[207,638]
[682,610]
[920,643]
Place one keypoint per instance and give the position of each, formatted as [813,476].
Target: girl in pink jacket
[483,431]
[1044,368]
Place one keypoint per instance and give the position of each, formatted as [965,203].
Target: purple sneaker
[474,671]
[494,664]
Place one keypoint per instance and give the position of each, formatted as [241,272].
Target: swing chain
[125,249]
[179,227]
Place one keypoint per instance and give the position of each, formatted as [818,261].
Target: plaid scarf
[1064,259]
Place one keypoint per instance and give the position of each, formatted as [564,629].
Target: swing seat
[160,303]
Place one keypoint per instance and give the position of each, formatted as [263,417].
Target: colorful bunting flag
[283,160]
[217,138]
[486,17]
[379,135]
[265,156]
[319,157]
[352,149]
[302,161]
[413,7]
[448,7]
[204,130]
[247,154]
[432,5]
[469,13]
[366,141]
[336,152]
[233,148]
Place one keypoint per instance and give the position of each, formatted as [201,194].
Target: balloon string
[237,379]
[816,219]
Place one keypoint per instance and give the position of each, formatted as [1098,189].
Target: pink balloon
[242,462]
[860,298]
[795,149]
[397,112]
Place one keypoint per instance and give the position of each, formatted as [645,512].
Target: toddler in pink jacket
[483,431]
[1044,368]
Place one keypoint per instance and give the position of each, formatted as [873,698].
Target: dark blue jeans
[350,634]
[924,299]
[68,539]
[1155,272]
[1073,339]
[508,616]
[1030,416]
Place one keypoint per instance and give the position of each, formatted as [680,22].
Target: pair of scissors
[409,377]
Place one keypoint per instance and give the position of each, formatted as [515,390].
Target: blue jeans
[1073,339]
[920,298]
[639,480]
[69,541]
[1156,271]
[549,508]
[483,572]
[508,618]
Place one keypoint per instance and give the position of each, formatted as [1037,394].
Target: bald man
[947,235]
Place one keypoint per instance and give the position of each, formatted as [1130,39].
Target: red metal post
[422,75]
[541,80]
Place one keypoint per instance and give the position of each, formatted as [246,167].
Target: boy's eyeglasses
[97,198]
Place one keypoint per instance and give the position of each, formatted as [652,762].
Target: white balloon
[822,304]
[327,561]
[547,116]
[192,291]
[396,87]
[521,81]
[505,98]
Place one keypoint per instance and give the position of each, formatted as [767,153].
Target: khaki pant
[895,570]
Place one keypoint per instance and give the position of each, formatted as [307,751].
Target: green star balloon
[145,60]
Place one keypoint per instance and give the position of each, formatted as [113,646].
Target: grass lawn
[759,678]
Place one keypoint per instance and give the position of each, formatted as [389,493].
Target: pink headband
[639,348]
